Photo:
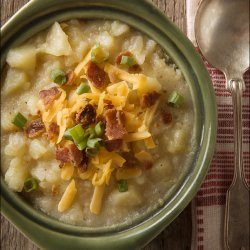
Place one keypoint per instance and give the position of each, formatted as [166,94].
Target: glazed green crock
[49,233]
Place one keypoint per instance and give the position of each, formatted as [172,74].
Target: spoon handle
[237,199]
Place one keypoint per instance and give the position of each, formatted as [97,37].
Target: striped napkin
[208,207]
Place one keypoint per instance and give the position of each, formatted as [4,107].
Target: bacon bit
[96,75]
[53,130]
[147,165]
[108,105]
[61,165]
[84,164]
[115,124]
[35,128]
[55,190]
[100,118]
[113,145]
[166,117]
[86,116]
[119,57]
[135,69]
[107,102]
[131,161]
[70,78]
[149,99]
[49,95]
[69,153]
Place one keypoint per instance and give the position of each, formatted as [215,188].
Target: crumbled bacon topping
[70,78]
[35,128]
[107,102]
[69,153]
[115,124]
[108,105]
[147,164]
[113,145]
[166,117]
[84,163]
[53,130]
[49,95]
[55,190]
[96,75]
[135,69]
[119,57]
[149,99]
[131,161]
[86,116]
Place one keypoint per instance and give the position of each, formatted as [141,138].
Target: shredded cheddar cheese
[96,202]
[140,82]
[122,93]
[67,197]
[143,156]
[137,136]
[100,104]
[80,68]
[67,172]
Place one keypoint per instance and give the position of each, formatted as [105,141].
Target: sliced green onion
[58,76]
[122,186]
[91,151]
[99,129]
[94,143]
[82,145]
[90,133]
[67,135]
[99,54]
[128,60]
[83,88]
[19,120]
[77,133]
[175,100]
[30,184]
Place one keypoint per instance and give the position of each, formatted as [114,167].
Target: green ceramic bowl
[141,14]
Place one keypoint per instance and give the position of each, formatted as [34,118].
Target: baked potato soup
[97,122]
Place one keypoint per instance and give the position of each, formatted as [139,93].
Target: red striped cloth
[208,207]
[209,203]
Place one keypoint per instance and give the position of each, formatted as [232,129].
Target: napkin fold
[208,207]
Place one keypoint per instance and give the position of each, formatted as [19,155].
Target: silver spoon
[222,34]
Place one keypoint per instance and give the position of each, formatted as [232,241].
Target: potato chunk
[6,122]
[106,40]
[23,57]
[179,142]
[17,145]
[32,105]
[131,198]
[57,43]
[16,174]
[37,149]
[118,29]
[78,42]
[16,80]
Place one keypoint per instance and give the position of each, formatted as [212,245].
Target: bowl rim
[144,232]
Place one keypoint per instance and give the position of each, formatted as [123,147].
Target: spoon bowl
[222,33]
